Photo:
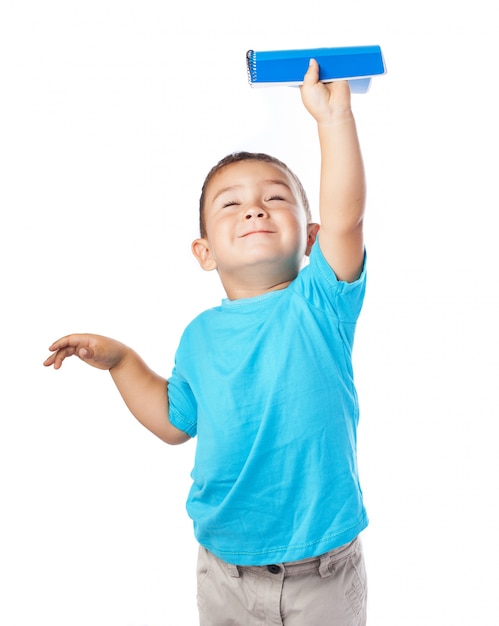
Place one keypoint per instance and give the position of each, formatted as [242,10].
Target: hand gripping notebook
[357,64]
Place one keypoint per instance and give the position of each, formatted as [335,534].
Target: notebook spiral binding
[251,66]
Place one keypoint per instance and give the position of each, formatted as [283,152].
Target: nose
[255,211]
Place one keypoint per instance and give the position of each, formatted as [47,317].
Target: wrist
[337,117]
[121,356]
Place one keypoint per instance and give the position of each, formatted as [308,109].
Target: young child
[265,381]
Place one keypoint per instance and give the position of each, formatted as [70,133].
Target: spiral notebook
[357,64]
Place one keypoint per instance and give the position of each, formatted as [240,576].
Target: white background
[111,113]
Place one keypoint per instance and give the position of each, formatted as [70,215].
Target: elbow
[179,440]
[173,436]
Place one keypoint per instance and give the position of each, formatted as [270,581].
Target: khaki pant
[329,590]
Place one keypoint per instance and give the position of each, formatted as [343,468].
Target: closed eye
[275,198]
[230,203]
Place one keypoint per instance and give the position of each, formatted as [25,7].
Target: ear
[312,230]
[201,250]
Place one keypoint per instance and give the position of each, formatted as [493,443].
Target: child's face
[254,219]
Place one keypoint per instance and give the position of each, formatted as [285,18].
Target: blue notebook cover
[357,64]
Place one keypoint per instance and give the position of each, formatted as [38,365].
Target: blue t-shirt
[266,384]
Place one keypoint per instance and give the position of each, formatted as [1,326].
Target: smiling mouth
[258,232]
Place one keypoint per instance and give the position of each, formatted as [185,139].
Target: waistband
[324,563]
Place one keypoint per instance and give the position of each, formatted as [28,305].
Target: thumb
[85,353]
[312,75]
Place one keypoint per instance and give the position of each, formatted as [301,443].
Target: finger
[341,85]
[312,75]
[68,340]
[59,356]
[56,359]
[85,354]
[49,361]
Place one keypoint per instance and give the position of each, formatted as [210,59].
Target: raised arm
[144,392]
[342,183]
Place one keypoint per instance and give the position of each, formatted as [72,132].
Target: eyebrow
[267,181]
[221,191]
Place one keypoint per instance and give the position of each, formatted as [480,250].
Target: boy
[265,382]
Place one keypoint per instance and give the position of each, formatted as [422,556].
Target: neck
[249,290]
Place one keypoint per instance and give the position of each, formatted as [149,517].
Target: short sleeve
[324,290]
[182,406]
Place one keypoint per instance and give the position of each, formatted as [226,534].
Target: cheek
[298,227]
[218,238]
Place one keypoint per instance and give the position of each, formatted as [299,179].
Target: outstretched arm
[144,392]
[342,186]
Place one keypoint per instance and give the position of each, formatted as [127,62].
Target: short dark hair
[236,157]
